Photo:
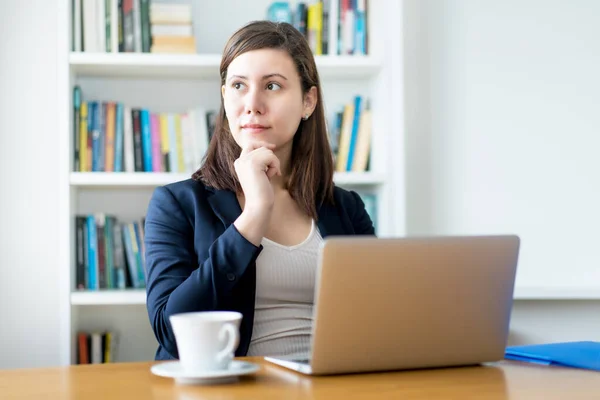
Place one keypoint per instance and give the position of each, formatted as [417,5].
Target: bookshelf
[173,83]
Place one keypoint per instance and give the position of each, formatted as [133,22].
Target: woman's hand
[255,167]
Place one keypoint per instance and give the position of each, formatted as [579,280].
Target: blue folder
[569,354]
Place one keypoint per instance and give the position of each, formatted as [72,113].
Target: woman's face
[263,98]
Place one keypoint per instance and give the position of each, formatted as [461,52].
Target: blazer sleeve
[361,221]
[176,282]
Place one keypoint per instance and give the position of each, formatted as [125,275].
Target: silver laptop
[408,303]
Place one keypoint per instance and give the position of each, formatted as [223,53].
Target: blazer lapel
[225,206]
[329,222]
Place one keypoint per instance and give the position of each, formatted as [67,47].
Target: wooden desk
[503,380]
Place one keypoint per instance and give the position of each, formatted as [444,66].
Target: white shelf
[125,179]
[153,179]
[146,65]
[358,178]
[109,297]
[557,293]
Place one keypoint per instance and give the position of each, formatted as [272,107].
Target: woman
[243,234]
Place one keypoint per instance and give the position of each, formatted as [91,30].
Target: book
[584,354]
[280,11]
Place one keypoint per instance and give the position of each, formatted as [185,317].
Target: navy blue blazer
[197,260]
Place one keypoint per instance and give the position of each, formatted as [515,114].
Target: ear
[223,91]
[310,101]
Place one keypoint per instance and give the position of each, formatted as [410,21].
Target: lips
[254,128]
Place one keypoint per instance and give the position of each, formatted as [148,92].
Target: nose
[254,102]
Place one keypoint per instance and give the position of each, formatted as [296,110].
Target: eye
[273,86]
[237,85]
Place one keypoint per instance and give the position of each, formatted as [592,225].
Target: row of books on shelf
[96,347]
[125,26]
[114,137]
[109,254]
[350,136]
[332,27]
[111,136]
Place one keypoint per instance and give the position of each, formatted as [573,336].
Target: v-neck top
[285,285]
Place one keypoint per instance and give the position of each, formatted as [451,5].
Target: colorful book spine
[119,257]
[92,253]
[84,152]
[353,136]
[145,25]
[138,155]
[102,136]
[361,28]
[108,251]
[128,146]
[86,256]
[109,164]
[363,142]
[315,27]
[76,128]
[79,253]
[101,250]
[164,143]
[135,245]
[139,252]
[348,32]
[119,138]
[95,135]
[345,135]
[155,138]
[146,140]
[131,259]
[280,11]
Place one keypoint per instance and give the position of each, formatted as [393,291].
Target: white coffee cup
[206,341]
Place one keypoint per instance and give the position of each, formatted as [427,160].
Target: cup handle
[233,342]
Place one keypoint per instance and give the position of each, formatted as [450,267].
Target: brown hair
[310,182]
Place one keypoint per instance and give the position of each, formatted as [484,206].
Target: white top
[285,286]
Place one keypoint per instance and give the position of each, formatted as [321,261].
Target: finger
[271,172]
[274,167]
[267,161]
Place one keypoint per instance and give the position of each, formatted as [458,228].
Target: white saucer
[173,369]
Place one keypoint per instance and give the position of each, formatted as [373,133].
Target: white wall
[546,321]
[29,307]
[502,136]
[512,96]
